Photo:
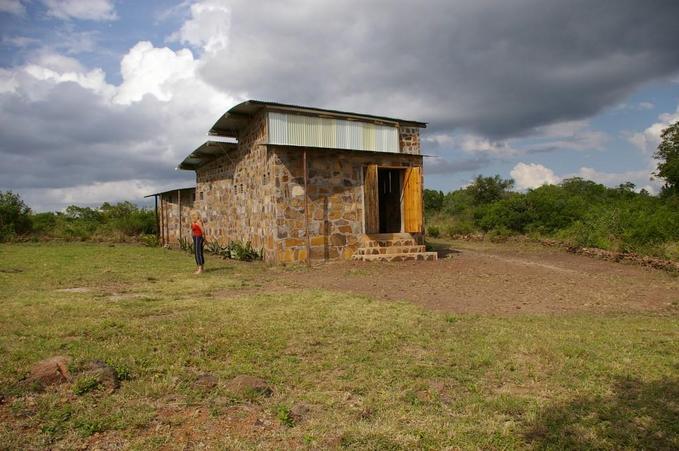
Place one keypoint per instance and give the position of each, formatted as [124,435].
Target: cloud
[68,132]
[569,136]
[12,7]
[530,63]
[439,165]
[149,70]
[648,140]
[208,27]
[533,175]
[98,10]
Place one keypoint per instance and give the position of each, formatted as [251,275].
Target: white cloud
[150,70]
[533,175]
[208,27]
[12,7]
[641,178]
[99,10]
[647,141]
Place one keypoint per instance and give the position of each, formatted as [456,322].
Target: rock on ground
[249,385]
[51,371]
[206,381]
[105,374]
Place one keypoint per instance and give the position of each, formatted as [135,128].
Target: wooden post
[155,201]
[306,213]
[179,208]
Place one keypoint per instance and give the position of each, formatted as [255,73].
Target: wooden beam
[179,208]
[371,200]
[306,212]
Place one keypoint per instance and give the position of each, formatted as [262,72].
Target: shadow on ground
[637,415]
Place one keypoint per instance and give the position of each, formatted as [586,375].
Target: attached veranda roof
[207,152]
[170,191]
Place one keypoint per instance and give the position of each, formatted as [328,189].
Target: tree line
[122,221]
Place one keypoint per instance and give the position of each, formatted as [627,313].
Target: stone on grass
[51,371]
[104,374]
[245,385]
[206,381]
[299,412]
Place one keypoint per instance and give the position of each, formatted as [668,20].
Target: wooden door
[371,200]
[412,200]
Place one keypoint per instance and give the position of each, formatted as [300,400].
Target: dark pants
[198,250]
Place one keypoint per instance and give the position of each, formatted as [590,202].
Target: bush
[15,216]
[459,227]
[433,231]
[580,212]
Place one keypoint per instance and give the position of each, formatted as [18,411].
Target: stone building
[307,184]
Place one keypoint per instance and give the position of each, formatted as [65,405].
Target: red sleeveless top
[196,230]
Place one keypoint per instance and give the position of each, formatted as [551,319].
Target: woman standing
[198,240]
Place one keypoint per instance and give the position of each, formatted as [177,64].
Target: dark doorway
[389,185]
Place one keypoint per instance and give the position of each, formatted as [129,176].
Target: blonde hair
[194,215]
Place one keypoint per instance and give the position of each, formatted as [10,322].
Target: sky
[101,99]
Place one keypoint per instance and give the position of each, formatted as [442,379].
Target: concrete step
[396,257]
[390,250]
[388,243]
[388,236]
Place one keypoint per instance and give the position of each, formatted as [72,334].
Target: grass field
[364,373]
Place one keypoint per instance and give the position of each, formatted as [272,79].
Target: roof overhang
[171,191]
[208,151]
[237,117]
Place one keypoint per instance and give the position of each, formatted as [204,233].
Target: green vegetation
[578,212]
[668,160]
[375,374]
[234,249]
[119,222]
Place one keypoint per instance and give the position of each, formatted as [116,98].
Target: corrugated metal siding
[299,130]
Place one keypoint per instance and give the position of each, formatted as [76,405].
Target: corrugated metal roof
[237,117]
[207,152]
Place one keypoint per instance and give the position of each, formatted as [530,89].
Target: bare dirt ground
[497,279]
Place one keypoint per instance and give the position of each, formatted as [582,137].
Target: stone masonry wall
[171,229]
[335,185]
[234,192]
[409,140]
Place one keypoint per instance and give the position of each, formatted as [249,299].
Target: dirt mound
[245,385]
[51,371]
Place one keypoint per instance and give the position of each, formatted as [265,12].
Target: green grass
[375,374]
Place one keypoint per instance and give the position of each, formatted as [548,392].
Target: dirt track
[498,278]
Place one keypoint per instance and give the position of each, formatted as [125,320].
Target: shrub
[15,216]
[459,227]
[433,231]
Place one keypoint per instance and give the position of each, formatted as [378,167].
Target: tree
[15,216]
[433,200]
[668,160]
[485,190]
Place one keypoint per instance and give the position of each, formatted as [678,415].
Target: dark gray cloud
[438,165]
[71,136]
[496,68]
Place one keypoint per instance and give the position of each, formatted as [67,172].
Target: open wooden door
[371,200]
[412,200]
